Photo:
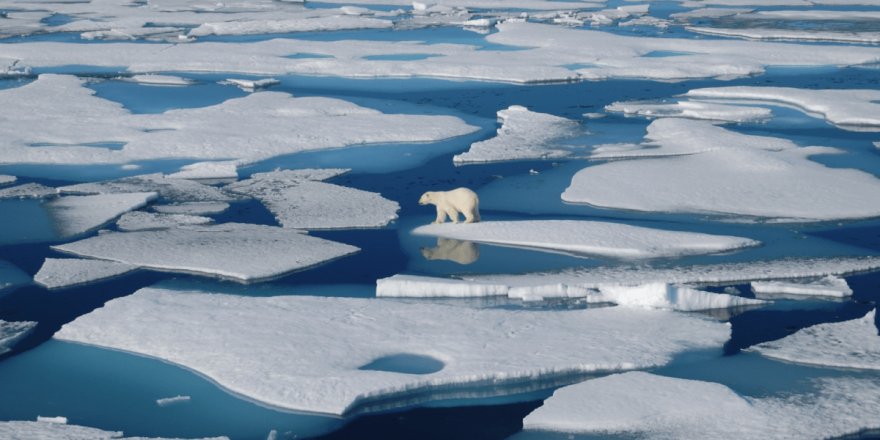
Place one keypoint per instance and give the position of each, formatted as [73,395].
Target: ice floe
[12,332]
[176,400]
[6,180]
[300,200]
[275,362]
[692,110]
[144,221]
[830,286]
[192,208]
[57,273]
[669,297]
[74,215]
[160,80]
[215,170]
[250,85]
[848,344]
[236,251]
[644,404]
[713,170]
[523,134]
[28,191]
[311,24]
[614,240]
[54,430]
[850,109]
[178,190]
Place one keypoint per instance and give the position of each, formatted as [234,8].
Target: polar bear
[451,203]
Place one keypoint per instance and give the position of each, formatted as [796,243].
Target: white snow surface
[607,239]
[208,170]
[299,200]
[75,215]
[311,24]
[669,297]
[57,273]
[830,286]
[659,407]
[692,110]
[66,120]
[790,34]
[523,134]
[853,109]
[713,170]
[849,344]
[192,208]
[160,80]
[13,331]
[28,191]
[178,190]
[143,221]
[241,252]
[276,362]
[45,430]
[6,179]
[252,84]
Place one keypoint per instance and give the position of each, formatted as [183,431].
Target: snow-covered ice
[830,286]
[6,179]
[12,332]
[237,251]
[850,109]
[251,84]
[849,344]
[192,208]
[208,170]
[790,34]
[45,430]
[74,215]
[644,404]
[300,200]
[28,191]
[160,80]
[57,273]
[670,297]
[523,134]
[274,361]
[57,419]
[178,190]
[614,240]
[143,221]
[311,24]
[713,170]
[168,401]
[692,110]
[413,286]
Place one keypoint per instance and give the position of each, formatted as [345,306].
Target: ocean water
[118,391]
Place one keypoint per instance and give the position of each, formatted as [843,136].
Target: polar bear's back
[463,198]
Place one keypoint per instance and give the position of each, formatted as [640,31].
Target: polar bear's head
[426,198]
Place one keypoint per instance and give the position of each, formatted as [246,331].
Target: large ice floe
[849,344]
[471,349]
[46,124]
[708,169]
[614,240]
[236,251]
[523,134]
[12,332]
[829,286]
[47,428]
[300,200]
[644,404]
[75,215]
[692,110]
[57,273]
[850,109]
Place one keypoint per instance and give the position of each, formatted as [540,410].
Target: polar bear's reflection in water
[459,251]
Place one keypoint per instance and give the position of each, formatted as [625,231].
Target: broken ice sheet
[28,191]
[57,273]
[177,190]
[829,286]
[75,215]
[275,362]
[692,110]
[12,332]
[55,430]
[241,252]
[144,221]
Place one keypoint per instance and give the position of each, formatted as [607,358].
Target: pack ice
[276,363]
[848,344]
[644,404]
[241,252]
[607,239]
[12,332]
[178,190]
[695,166]
[57,273]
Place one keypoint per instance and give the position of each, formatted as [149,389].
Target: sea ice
[300,200]
[45,430]
[28,191]
[167,401]
[160,80]
[848,344]
[74,215]
[718,171]
[830,286]
[6,180]
[669,297]
[251,85]
[412,286]
[644,404]
[692,110]
[178,190]
[310,24]
[523,134]
[269,344]
[192,208]
[208,171]
[850,109]
[57,273]
[790,34]
[607,239]
[12,332]
[144,221]
[241,252]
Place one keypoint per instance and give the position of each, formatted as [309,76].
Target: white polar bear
[450,203]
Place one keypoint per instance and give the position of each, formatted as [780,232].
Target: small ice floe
[145,221]
[468,348]
[703,13]
[241,252]
[160,80]
[607,239]
[692,110]
[523,134]
[412,286]
[829,286]
[300,200]
[216,170]
[250,85]
[13,331]
[55,430]
[58,273]
[59,420]
[593,115]
[709,169]
[669,297]
[651,406]
[849,109]
[178,190]
[849,344]
[6,180]
[28,191]
[176,400]
[298,24]
[75,215]
[192,208]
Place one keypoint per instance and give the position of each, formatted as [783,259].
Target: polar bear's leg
[453,214]
[441,215]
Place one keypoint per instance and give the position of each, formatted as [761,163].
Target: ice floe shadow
[406,363]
